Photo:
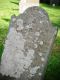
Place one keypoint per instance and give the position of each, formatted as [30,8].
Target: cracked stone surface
[27,46]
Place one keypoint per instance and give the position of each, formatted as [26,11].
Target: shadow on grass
[15,9]
[58,41]
[6,19]
[56,24]
[53,69]
[3,34]
[1,50]
[17,3]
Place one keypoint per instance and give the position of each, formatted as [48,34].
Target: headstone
[28,45]
[53,5]
[24,4]
[56,2]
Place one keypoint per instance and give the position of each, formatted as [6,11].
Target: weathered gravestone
[28,45]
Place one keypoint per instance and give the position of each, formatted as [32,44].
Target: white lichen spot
[20,27]
[36,39]
[42,65]
[28,26]
[47,21]
[35,45]
[40,54]
[42,59]
[13,19]
[34,70]
[37,34]
[41,21]
[20,24]
[30,52]
[40,74]
[19,21]
[41,43]
[40,31]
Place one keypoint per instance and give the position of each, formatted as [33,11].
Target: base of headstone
[6,77]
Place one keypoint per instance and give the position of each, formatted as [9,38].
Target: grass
[10,7]
[54,13]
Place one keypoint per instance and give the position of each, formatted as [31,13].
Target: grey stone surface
[28,45]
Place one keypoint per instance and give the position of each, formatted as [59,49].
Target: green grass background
[10,7]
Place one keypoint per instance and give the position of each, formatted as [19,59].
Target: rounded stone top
[36,10]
